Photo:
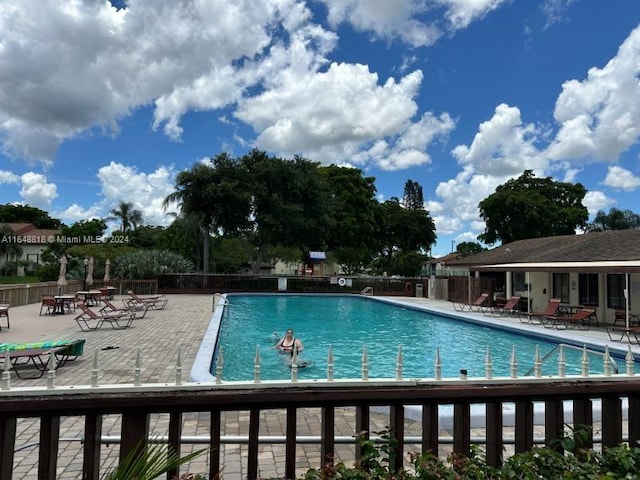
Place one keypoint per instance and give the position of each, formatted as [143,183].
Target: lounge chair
[580,320]
[621,318]
[509,308]
[138,310]
[4,312]
[23,356]
[89,320]
[550,310]
[156,302]
[477,305]
[624,332]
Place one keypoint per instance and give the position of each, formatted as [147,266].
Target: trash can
[419,290]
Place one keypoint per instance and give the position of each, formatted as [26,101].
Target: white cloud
[415,22]
[595,200]
[503,146]
[184,55]
[76,213]
[555,11]
[331,115]
[599,117]
[621,179]
[145,190]
[36,191]
[9,177]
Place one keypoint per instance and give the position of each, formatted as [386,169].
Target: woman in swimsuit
[289,342]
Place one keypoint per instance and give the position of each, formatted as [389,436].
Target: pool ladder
[367,291]
[612,361]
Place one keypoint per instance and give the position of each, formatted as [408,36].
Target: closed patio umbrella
[89,280]
[62,276]
[107,266]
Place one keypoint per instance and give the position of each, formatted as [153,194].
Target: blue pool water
[347,323]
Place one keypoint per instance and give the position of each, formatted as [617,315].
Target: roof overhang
[613,266]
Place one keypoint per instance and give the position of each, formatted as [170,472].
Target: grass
[18,280]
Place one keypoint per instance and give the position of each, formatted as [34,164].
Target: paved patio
[157,337]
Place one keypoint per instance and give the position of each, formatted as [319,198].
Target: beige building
[32,241]
[599,270]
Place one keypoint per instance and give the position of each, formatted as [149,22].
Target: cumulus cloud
[36,191]
[344,114]
[599,117]
[414,22]
[99,63]
[9,177]
[145,190]
[595,200]
[503,146]
[621,179]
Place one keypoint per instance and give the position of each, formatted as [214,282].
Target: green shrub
[576,463]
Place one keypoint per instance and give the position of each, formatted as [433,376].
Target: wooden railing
[136,403]
[24,294]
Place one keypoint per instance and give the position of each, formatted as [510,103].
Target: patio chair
[155,302]
[477,305]
[550,310]
[89,320]
[4,312]
[580,320]
[48,304]
[509,308]
[138,310]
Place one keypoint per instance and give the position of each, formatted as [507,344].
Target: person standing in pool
[289,342]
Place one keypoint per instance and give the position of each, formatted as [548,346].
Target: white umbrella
[107,266]
[62,277]
[90,272]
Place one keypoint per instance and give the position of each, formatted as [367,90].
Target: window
[588,288]
[519,282]
[615,290]
[561,287]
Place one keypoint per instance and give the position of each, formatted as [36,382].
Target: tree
[217,196]
[289,203]
[128,216]
[413,199]
[402,232]
[26,214]
[469,248]
[530,207]
[616,219]
[352,208]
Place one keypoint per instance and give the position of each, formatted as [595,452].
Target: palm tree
[129,217]
[213,195]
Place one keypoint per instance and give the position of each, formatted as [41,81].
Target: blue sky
[102,102]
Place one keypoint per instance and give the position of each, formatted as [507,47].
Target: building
[599,270]
[32,241]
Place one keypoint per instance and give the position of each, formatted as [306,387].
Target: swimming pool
[349,322]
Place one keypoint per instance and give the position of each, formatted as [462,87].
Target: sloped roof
[618,246]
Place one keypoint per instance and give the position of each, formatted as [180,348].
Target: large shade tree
[26,214]
[352,205]
[289,203]
[404,236]
[214,193]
[530,207]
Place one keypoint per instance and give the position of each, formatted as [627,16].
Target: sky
[102,102]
